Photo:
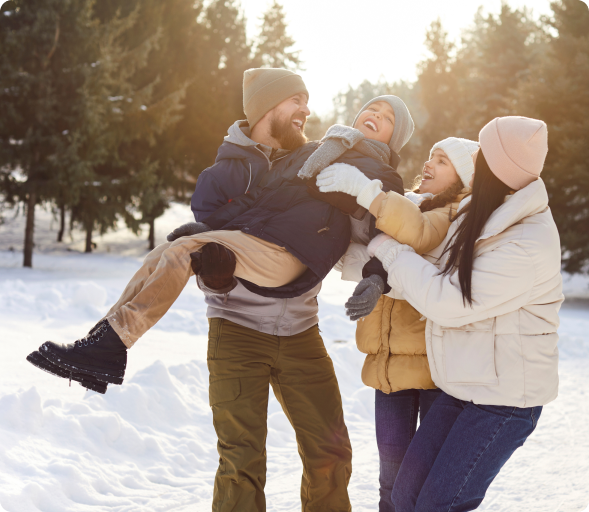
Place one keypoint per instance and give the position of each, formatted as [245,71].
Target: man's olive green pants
[242,363]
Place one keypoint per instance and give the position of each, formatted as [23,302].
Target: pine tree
[135,108]
[557,92]
[436,92]
[214,98]
[43,45]
[495,56]
[273,42]
[165,76]
[105,182]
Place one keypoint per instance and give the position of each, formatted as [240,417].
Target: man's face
[287,122]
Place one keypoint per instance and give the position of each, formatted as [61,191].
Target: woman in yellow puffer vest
[393,334]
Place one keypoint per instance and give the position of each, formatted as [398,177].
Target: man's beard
[286,134]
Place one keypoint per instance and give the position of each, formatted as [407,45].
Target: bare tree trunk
[151,237]
[61,223]
[71,228]
[29,230]
[89,227]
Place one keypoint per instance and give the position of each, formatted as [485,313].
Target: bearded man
[257,341]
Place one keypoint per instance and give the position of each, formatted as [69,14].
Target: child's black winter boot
[101,354]
[85,380]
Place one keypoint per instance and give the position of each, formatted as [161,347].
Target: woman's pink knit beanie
[515,149]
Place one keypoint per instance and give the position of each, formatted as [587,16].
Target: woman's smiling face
[438,173]
[377,122]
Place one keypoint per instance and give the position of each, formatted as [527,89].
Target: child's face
[377,122]
[438,174]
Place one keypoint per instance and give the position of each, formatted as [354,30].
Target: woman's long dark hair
[488,193]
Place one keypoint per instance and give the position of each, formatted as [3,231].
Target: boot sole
[86,381]
[58,360]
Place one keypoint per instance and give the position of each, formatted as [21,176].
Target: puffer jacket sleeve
[403,220]
[217,186]
[502,281]
[352,263]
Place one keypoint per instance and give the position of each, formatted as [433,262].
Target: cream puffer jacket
[503,349]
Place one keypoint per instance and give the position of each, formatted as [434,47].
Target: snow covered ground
[149,445]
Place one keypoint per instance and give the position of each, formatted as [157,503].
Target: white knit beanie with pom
[460,153]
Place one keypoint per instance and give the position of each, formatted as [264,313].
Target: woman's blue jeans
[396,422]
[459,449]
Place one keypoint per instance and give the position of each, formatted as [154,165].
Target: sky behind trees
[348,41]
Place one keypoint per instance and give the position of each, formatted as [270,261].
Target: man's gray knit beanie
[403,121]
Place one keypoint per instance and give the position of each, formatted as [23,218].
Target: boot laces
[94,336]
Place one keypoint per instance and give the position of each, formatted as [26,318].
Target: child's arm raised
[400,218]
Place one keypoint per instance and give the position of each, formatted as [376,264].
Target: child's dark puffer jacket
[281,210]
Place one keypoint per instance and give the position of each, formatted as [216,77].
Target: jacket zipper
[276,327]
[329,216]
[268,160]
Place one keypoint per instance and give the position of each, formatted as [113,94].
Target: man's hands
[190,228]
[348,179]
[365,297]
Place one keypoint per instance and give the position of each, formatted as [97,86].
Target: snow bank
[144,446]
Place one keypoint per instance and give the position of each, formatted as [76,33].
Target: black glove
[365,297]
[374,266]
[190,228]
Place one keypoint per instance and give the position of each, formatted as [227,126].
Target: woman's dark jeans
[457,452]
[396,422]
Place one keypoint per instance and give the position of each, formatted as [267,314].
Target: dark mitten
[344,202]
[365,297]
[217,267]
[374,267]
[188,229]
[196,262]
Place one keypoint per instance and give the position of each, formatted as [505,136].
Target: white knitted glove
[387,249]
[348,179]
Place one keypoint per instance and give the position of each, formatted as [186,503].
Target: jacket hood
[237,144]
[516,207]
[239,133]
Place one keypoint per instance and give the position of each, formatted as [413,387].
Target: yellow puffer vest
[393,335]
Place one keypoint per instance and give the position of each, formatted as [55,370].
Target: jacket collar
[528,201]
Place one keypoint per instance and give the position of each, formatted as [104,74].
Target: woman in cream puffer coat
[491,293]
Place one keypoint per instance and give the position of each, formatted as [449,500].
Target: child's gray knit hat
[403,121]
